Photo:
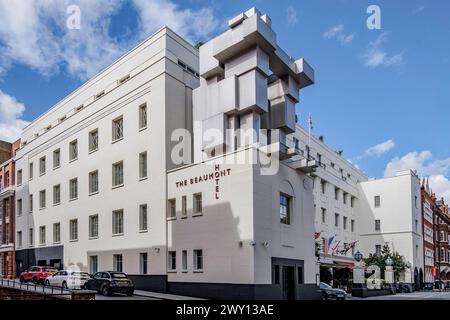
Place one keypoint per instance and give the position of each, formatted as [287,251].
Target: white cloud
[291,16]
[381,148]
[34,32]
[337,32]
[11,112]
[437,170]
[376,56]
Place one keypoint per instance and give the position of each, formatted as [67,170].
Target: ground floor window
[276,274]
[143,262]
[118,263]
[198,259]
[172,263]
[93,264]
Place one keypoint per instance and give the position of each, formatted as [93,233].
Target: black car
[109,282]
[328,292]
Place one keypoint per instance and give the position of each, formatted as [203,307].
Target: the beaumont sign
[214,176]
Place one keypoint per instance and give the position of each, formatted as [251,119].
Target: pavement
[145,295]
[421,295]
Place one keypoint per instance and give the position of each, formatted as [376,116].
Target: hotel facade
[186,169]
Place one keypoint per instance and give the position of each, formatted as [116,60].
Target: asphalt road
[122,297]
[425,295]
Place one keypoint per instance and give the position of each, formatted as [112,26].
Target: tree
[398,261]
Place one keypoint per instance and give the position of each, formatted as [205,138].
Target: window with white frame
[42,199]
[117,174]
[336,193]
[117,222]
[31,237]
[344,223]
[172,263]
[93,140]
[377,201]
[93,264]
[56,232]
[73,150]
[198,203]
[73,189]
[172,210]
[324,215]
[56,158]
[42,235]
[19,177]
[143,165]
[118,262]
[143,116]
[117,129]
[73,230]
[336,220]
[352,225]
[143,263]
[19,239]
[198,259]
[184,206]
[323,185]
[143,217]
[42,166]
[31,203]
[93,226]
[30,171]
[93,182]
[19,207]
[184,262]
[285,209]
[377,225]
[56,194]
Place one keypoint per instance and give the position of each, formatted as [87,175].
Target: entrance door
[288,283]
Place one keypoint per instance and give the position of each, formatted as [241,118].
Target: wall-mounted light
[265,244]
[157,250]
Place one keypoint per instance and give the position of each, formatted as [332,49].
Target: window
[93,140]
[56,158]
[73,189]
[377,201]
[42,166]
[352,225]
[417,225]
[62,119]
[143,263]
[42,235]
[42,199]
[19,177]
[197,203]
[143,165]
[442,255]
[56,232]
[300,275]
[172,263]
[93,264]
[93,182]
[415,202]
[19,239]
[31,203]
[73,230]
[198,259]
[324,215]
[441,236]
[31,236]
[319,159]
[143,217]
[377,225]
[118,262]
[276,274]
[56,194]
[336,193]
[99,95]
[117,174]
[183,206]
[344,198]
[7,182]
[184,265]
[323,185]
[172,210]
[336,220]
[285,214]
[296,143]
[143,116]
[117,127]
[79,108]
[352,202]
[344,223]
[73,150]
[123,79]
[117,225]
[19,207]
[30,174]
[378,249]
[93,226]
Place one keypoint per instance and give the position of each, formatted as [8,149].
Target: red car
[37,274]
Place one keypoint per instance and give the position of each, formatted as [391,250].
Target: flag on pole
[331,245]
[310,122]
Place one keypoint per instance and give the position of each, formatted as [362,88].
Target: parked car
[109,282]
[328,292]
[68,279]
[37,274]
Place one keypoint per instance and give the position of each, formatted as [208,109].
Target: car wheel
[47,283]
[22,279]
[64,285]
[324,296]
[105,290]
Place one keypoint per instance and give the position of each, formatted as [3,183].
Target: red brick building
[7,209]
[428,213]
[442,246]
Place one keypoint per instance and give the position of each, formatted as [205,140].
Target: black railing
[34,287]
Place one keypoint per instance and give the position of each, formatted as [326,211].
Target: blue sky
[382,96]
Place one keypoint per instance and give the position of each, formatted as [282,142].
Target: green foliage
[398,261]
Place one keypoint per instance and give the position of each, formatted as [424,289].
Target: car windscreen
[50,270]
[118,275]
[325,286]
[79,274]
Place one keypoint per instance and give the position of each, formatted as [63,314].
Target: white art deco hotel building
[100,188]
